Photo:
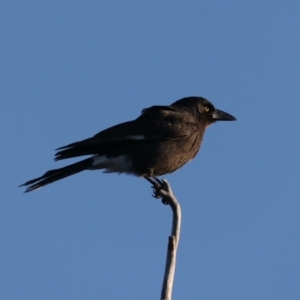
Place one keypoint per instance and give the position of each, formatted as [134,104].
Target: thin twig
[168,197]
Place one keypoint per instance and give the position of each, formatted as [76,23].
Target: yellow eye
[206,108]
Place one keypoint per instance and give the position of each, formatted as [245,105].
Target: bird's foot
[158,186]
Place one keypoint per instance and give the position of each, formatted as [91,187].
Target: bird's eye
[206,108]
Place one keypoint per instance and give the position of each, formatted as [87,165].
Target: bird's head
[203,109]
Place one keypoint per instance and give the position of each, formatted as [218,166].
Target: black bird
[160,141]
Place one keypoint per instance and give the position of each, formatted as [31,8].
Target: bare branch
[168,197]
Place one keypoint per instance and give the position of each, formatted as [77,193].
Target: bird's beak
[219,115]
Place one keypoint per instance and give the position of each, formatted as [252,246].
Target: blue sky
[72,68]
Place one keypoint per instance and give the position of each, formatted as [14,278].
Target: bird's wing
[156,123]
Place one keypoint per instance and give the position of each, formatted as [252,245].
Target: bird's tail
[57,174]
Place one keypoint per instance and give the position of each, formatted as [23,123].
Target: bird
[160,141]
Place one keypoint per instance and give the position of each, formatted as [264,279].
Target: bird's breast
[165,156]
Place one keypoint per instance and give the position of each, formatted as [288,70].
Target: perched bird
[160,141]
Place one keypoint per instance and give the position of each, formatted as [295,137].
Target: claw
[155,194]
[157,185]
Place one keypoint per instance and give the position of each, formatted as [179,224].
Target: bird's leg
[151,180]
[159,181]
[157,185]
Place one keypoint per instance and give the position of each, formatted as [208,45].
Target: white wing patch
[99,160]
[119,164]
